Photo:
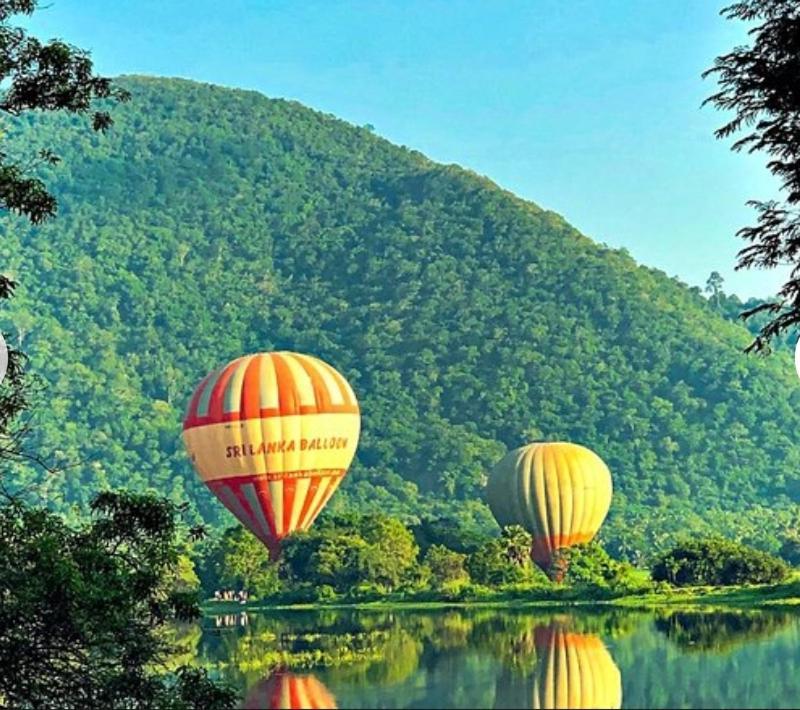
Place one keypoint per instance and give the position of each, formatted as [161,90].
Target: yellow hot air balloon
[272,436]
[574,671]
[558,492]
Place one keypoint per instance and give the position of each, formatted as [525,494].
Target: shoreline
[779,596]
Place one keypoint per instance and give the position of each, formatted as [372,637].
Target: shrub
[717,562]
[590,565]
[504,560]
[446,567]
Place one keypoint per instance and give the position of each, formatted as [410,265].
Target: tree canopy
[759,88]
[211,223]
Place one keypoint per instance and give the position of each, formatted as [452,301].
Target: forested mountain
[211,222]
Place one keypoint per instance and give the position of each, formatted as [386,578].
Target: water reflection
[566,669]
[505,658]
[230,620]
[720,631]
[283,689]
[574,671]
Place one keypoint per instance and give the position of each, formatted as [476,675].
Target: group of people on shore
[230,595]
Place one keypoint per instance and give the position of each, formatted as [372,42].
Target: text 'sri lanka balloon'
[272,435]
[574,671]
[558,492]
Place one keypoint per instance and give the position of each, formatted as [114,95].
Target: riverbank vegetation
[377,559]
[386,646]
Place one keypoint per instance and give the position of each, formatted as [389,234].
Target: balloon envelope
[559,492]
[272,436]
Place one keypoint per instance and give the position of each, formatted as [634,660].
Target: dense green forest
[212,222]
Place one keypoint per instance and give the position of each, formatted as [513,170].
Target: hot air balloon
[272,436]
[574,671]
[289,691]
[558,492]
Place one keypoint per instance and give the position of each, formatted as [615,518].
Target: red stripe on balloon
[216,404]
[294,692]
[261,484]
[289,490]
[194,421]
[191,410]
[251,390]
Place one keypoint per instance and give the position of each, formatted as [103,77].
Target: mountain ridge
[211,222]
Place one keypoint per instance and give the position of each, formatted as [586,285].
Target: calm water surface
[508,659]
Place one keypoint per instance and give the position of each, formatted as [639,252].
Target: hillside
[211,222]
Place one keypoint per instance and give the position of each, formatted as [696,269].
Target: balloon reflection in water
[288,690]
[574,670]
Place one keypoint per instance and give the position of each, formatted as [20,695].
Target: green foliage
[717,562]
[590,565]
[504,560]
[239,560]
[390,553]
[415,280]
[452,532]
[446,567]
[697,631]
[758,91]
[42,76]
[790,548]
[84,608]
[184,576]
[371,552]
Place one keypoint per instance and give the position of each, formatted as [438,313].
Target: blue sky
[589,108]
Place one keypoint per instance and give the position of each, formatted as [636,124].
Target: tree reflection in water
[500,658]
[720,631]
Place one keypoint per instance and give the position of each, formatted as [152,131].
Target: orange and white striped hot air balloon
[559,492]
[272,436]
[287,691]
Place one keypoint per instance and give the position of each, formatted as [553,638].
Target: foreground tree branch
[760,84]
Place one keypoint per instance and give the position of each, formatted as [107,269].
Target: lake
[495,658]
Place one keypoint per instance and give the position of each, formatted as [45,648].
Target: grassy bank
[786,594]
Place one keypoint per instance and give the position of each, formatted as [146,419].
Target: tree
[714,286]
[240,560]
[718,562]
[589,564]
[473,371]
[391,550]
[349,551]
[503,560]
[760,83]
[446,566]
[790,548]
[451,532]
[318,559]
[83,608]
[41,76]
